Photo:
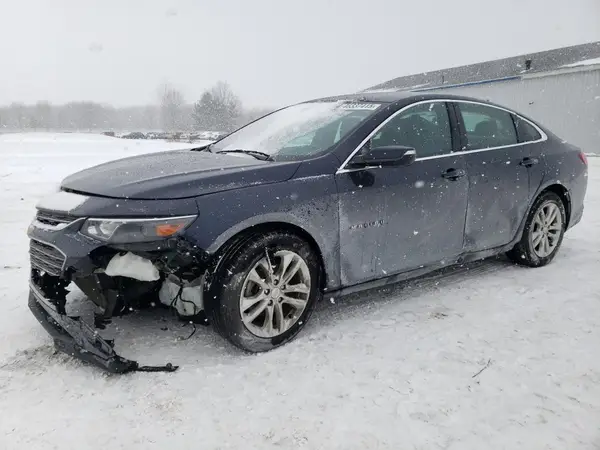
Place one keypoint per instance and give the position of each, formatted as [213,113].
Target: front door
[499,188]
[393,219]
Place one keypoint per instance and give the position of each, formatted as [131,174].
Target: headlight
[121,231]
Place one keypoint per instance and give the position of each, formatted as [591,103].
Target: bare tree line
[218,109]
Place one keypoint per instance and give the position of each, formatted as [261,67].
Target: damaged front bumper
[76,338]
[60,254]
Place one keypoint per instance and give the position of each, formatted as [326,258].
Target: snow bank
[42,137]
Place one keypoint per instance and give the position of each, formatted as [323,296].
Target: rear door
[498,171]
[534,156]
[394,219]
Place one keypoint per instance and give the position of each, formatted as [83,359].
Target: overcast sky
[271,52]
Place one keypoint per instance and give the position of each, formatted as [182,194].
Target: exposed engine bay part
[186,297]
[117,295]
[135,280]
[132,266]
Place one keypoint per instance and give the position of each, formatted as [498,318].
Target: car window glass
[486,126]
[526,131]
[424,127]
[335,131]
[300,131]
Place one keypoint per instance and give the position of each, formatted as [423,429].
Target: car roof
[392,96]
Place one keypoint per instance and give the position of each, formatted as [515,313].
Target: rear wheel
[543,233]
[265,292]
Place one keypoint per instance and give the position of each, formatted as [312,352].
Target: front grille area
[53,218]
[45,257]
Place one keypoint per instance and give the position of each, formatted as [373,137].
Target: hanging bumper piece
[75,337]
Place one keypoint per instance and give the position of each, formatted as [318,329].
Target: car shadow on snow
[334,310]
[156,333]
[156,336]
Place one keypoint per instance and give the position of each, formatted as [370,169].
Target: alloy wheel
[546,229]
[275,293]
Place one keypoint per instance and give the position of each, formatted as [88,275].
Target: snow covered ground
[393,368]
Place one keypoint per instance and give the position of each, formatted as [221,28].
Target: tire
[234,280]
[526,252]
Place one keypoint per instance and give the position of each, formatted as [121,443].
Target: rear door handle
[453,174]
[529,162]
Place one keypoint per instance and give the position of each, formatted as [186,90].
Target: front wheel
[265,292]
[543,233]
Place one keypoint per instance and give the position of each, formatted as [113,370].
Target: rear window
[487,127]
[526,131]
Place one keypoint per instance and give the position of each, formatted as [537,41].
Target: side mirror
[386,156]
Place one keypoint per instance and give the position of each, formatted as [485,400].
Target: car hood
[176,174]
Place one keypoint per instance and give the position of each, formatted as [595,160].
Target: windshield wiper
[206,148]
[258,155]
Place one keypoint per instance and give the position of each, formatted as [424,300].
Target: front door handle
[453,174]
[529,162]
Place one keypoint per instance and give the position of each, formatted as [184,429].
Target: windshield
[299,131]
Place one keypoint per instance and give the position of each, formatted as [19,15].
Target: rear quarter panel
[562,165]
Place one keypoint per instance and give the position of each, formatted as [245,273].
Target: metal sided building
[559,88]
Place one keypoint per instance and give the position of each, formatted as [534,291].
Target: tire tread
[522,253]
[219,305]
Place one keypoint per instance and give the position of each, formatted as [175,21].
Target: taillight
[583,158]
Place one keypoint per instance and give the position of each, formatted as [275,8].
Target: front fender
[310,204]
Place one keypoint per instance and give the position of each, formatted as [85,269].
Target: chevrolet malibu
[328,196]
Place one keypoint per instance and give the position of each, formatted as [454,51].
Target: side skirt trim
[419,272]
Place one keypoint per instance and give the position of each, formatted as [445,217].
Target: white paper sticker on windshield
[360,106]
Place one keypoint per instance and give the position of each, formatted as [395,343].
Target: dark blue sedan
[328,196]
